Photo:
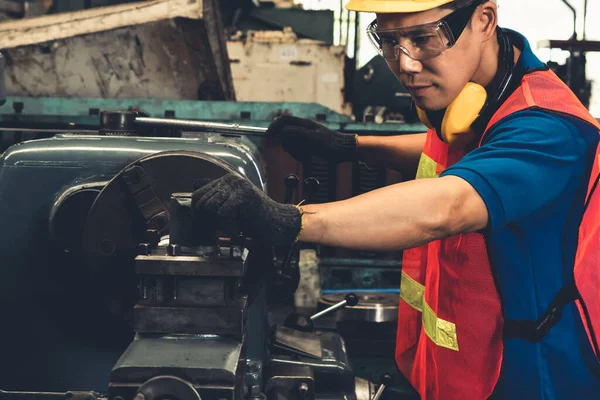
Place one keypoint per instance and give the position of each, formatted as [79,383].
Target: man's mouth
[419,90]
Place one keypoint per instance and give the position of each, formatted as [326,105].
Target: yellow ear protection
[468,114]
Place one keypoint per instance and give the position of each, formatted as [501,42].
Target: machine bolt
[303,390]
[144,249]
[174,250]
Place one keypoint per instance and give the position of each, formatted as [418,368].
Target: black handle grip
[351,300]
[386,380]
[291,183]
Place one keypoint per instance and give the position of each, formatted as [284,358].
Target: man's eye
[421,40]
[388,41]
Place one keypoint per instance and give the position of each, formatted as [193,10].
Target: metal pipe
[379,392]
[566,2]
[330,309]
[200,126]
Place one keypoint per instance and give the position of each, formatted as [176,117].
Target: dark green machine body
[58,333]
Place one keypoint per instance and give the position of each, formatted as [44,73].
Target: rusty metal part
[372,307]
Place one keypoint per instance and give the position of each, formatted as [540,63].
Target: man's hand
[235,201]
[303,138]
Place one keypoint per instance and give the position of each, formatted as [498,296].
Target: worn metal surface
[332,372]
[121,52]
[228,320]
[189,291]
[372,307]
[304,343]
[365,390]
[187,265]
[213,364]
[291,382]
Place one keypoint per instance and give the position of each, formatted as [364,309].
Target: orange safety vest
[450,320]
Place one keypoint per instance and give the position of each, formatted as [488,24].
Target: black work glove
[303,138]
[235,201]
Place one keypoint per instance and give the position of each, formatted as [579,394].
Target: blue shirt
[532,173]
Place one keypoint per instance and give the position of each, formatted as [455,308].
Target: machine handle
[386,380]
[291,183]
[200,126]
[351,300]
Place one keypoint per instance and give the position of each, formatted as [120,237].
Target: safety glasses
[422,42]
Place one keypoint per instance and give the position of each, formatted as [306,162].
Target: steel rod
[200,126]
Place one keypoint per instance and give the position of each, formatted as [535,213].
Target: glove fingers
[201,195]
[277,127]
[204,190]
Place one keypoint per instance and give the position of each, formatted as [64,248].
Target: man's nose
[409,65]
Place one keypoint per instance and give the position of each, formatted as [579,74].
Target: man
[506,185]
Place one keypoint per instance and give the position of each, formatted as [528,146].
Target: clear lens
[420,43]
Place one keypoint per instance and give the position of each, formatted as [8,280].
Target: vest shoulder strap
[542,90]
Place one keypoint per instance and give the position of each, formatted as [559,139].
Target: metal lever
[351,300]
[386,380]
[200,126]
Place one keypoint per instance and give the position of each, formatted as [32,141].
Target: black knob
[351,300]
[386,380]
[117,123]
[291,183]
[311,187]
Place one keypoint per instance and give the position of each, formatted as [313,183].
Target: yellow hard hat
[394,6]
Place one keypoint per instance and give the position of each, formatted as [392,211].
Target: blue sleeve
[526,162]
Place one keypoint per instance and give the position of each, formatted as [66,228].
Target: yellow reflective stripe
[427,168]
[412,292]
[441,332]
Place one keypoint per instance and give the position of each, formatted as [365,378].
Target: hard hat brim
[394,6]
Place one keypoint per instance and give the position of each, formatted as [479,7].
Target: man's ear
[485,20]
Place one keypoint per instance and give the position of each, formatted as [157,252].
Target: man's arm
[397,217]
[401,152]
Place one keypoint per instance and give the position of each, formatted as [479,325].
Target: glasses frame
[452,26]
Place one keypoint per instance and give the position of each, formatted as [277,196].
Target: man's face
[436,82]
